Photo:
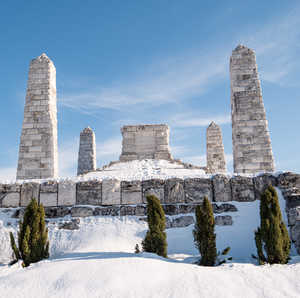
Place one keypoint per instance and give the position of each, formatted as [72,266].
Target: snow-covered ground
[98,261]
[146,169]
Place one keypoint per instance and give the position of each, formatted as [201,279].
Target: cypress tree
[272,237]
[156,239]
[204,233]
[33,244]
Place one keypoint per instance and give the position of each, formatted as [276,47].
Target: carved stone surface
[80,211]
[182,221]
[184,208]
[252,151]
[110,210]
[38,144]
[242,189]
[66,193]
[48,199]
[53,212]
[261,182]
[174,191]
[196,189]
[223,220]
[111,192]
[70,225]
[153,187]
[127,210]
[89,193]
[222,188]
[215,156]
[145,142]
[131,192]
[10,195]
[170,209]
[29,191]
[87,152]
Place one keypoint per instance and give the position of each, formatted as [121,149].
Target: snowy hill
[98,261]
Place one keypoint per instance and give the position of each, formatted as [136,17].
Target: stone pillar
[252,151]
[215,156]
[87,152]
[38,145]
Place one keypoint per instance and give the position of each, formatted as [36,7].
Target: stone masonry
[145,142]
[38,145]
[252,151]
[87,152]
[215,156]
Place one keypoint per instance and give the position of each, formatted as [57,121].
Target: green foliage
[156,239]
[271,237]
[204,234]
[32,236]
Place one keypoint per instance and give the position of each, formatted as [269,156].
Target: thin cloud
[8,174]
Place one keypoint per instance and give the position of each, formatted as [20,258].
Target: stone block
[66,193]
[110,210]
[111,192]
[11,199]
[131,192]
[186,208]
[89,193]
[293,215]
[70,225]
[140,210]
[224,208]
[153,187]
[127,210]
[29,191]
[54,212]
[261,182]
[78,211]
[182,221]
[223,220]
[196,189]
[49,186]
[170,209]
[48,199]
[242,189]
[289,180]
[174,191]
[222,188]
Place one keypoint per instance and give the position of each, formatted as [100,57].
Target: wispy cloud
[188,120]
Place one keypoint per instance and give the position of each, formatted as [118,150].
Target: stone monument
[145,142]
[252,151]
[87,152]
[38,144]
[215,155]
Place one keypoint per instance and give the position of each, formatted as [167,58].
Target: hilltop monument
[38,144]
[87,152]
[252,151]
[215,156]
[145,142]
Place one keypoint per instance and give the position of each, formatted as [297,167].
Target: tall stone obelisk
[215,156]
[87,152]
[38,145]
[252,151]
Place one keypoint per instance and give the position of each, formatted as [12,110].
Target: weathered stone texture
[111,192]
[261,182]
[80,211]
[87,152]
[242,189]
[66,193]
[145,142]
[196,189]
[10,195]
[252,151]
[38,144]
[289,180]
[49,193]
[153,187]
[223,220]
[174,191]
[222,188]
[131,192]
[28,192]
[215,156]
[89,193]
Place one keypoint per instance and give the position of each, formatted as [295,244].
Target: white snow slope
[98,261]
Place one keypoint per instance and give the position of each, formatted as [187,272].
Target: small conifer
[271,237]
[155,239]
[33,244]
[204,233]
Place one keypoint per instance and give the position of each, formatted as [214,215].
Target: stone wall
[145,142]
[252,151]
[38,144]
[179,197]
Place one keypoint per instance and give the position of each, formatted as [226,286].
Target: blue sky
[136,62]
